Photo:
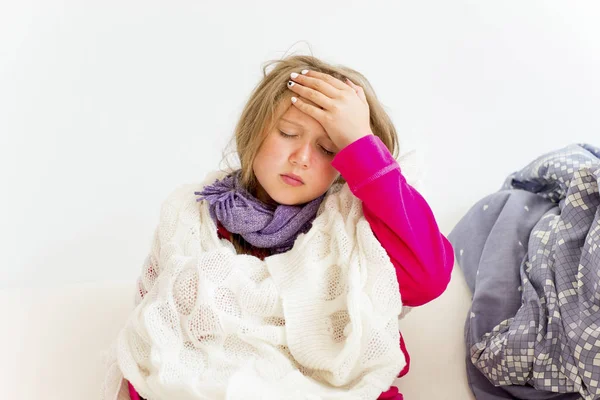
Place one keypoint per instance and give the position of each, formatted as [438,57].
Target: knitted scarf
[263,226]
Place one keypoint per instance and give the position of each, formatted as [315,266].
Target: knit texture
[319,321]
[261,225]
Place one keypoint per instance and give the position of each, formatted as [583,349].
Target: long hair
[271,98]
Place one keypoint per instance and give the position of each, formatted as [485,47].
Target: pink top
[403,223]
[400,219]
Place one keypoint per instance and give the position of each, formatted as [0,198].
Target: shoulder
[186,191]
[180,206]
[184,195]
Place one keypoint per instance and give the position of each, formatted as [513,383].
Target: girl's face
[293,164]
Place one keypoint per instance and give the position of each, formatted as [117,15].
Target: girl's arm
[400,218]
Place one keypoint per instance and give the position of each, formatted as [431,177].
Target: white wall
[105,107]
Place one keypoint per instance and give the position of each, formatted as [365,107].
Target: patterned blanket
[530,254]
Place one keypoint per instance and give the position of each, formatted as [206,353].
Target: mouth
[291,179]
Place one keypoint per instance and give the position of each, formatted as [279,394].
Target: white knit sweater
[319,321]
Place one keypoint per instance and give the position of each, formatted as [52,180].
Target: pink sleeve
[133,394]
[400,218]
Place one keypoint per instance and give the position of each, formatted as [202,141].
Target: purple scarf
[263,226]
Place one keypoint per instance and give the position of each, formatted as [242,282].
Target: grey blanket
[530,254]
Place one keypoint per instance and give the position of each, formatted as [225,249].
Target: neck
[262,195]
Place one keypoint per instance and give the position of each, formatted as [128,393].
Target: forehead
[293,116]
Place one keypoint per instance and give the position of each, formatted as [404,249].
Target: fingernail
[294,75]
[304,71]
[294,99]
[290,83]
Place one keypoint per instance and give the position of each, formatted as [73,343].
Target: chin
[287,196]
[287,200]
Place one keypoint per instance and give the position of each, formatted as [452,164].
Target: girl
[309,130]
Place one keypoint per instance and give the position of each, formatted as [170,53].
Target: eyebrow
[293,123]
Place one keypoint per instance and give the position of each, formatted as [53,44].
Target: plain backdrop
[107,106]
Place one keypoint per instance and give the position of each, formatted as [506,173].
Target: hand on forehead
[341,108]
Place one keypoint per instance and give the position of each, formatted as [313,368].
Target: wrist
[349,140]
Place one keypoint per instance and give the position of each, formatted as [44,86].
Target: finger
[359,90]
[316,97]
[308,109]
[352,85]
[316,84]
[334,82]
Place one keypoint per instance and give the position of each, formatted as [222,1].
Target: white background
[107,106]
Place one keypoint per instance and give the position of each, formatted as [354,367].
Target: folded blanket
[530,254]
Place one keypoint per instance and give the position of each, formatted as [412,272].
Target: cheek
[327,172]
[324,164]
[266,155]
[273,148]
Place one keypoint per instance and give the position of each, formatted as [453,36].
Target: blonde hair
[270,99]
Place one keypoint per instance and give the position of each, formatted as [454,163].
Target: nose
[301,156]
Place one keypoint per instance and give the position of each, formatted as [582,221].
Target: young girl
[317,154]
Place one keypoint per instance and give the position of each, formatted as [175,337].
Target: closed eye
[285,134]
[323,149]
[329,153]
